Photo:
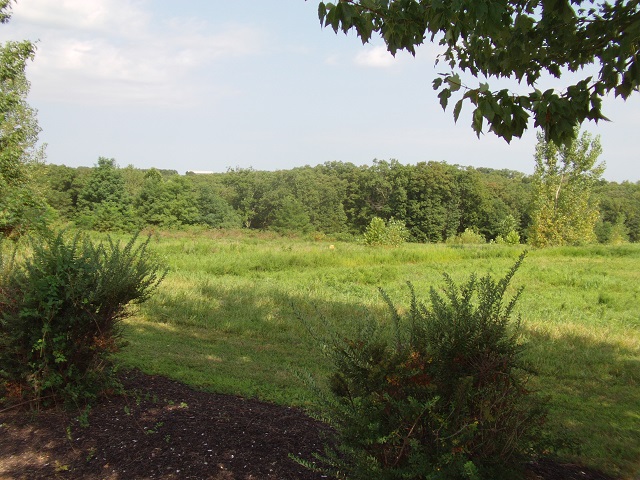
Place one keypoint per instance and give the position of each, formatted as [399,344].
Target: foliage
[564,210]
[440,395]
[22,209]
[375,234]
[435,201]
[62,312]
[612,233]
[511,238]
[620,202]
[508,231]
[321,195]
[21,205]
[380,233]
[62,186]
[517,39]
[104,203]
[215,211]
[469,236]
[289,215]
[166,203]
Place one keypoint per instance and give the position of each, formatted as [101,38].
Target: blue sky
[209,84]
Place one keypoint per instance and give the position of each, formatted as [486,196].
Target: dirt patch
[166,430]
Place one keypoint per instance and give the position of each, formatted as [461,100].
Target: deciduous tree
[20,205]
[104,202]
[565,210]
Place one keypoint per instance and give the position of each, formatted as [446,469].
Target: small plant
[511,238]
[83,417]
[468,237]
[154,430]
[62,313]
[392,233]
[441,394]
[91,454]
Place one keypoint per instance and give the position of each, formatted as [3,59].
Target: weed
[83,418]
[154,430]
[91,453]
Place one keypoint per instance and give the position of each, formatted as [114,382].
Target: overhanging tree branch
[517,39]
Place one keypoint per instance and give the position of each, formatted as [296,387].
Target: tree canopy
[518,39]
[18,126]
[20,204]
[565,210]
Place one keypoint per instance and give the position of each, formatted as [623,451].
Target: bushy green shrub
[441,394]
[468,237]
[511,238]
[380,233]
[61,314]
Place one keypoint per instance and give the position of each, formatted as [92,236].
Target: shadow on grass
[247,340]
[595,397]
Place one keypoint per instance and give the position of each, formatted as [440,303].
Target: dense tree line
[434,200]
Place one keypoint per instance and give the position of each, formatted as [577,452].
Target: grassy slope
[225,319]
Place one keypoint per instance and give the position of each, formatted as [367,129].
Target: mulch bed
[166,430]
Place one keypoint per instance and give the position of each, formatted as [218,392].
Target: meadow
[244,314]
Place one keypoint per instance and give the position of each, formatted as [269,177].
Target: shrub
[440,395]
[392,233]
[61,314]
[469,236]
[511,238]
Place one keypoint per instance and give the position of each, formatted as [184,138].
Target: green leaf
[454,82]
[322,12]
[457,109]
[486,108]
[476,124]
[444,97]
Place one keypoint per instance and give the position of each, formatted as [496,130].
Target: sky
[207,85]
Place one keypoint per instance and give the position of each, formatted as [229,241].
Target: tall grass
[225,319]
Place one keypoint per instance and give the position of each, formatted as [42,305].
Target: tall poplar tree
[564,210]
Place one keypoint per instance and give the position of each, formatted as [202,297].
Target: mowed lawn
[241,314]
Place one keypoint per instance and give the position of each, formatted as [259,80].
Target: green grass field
[226,319]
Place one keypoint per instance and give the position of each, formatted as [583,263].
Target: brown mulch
[166,430]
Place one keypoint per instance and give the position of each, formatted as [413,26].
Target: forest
[435,201]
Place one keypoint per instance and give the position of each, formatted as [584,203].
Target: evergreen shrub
[439,394]
[61,315]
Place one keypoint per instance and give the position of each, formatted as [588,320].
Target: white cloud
[377,57]
[105,16]
[111,52]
